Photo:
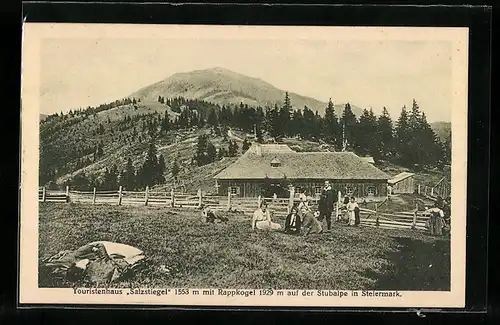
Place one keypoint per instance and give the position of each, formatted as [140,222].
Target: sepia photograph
[231,165]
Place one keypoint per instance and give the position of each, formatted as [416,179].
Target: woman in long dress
[436,220]
[262,219]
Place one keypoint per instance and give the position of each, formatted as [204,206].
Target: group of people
[303,219]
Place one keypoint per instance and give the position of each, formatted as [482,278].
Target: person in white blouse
[262,219]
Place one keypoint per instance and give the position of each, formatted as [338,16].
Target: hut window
[349,190]
[317,190]
[371,191]
[275,162]
[235,190]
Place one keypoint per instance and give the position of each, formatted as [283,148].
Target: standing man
[326,201]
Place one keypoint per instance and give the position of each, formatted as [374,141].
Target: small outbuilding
[402,183]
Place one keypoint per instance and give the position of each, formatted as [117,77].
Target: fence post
[172,198]
[415,216]
[67,193]
[93,197]
[259,200]
[290,199]
[339,198]
[120,195]
[418,189]
[200,197]
[43,194]
[432,191]
[229,199]
[146,196]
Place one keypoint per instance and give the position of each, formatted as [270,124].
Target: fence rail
[370,218]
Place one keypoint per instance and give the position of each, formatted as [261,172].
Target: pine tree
[402,135]
[211,152]
[222,153]
[367,140]
[201,155]
[160,171]
[331,127]
[246,145]
[110,178]
[447,149]
[165,123]
[309,124]
[349,124]
[233,148]
[175,169]
[385,134]
[259,133]
[415,145]
[276,127]
[284,116]
[212,117]
[296,123]
[129,175]
[150,166]
[432,149]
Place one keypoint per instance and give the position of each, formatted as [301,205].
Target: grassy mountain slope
[223,86]
[61,137]
[122,133]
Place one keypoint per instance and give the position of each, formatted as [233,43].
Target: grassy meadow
[233,256]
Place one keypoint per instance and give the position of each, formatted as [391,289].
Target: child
[351,206]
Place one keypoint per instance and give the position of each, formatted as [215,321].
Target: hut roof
[257,163]
[399,177]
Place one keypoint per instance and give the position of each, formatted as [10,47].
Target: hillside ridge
[222,86]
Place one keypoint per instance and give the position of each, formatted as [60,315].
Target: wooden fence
[442,189]
[280,206]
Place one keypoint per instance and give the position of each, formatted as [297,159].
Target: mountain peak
[223,86]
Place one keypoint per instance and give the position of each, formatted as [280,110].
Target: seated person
[210,216]
[293,222]
[310,222]
[262,219]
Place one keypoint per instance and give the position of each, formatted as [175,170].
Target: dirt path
[173,144]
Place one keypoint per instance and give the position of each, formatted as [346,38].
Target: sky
[369,74]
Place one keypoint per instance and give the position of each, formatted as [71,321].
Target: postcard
[197,165]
